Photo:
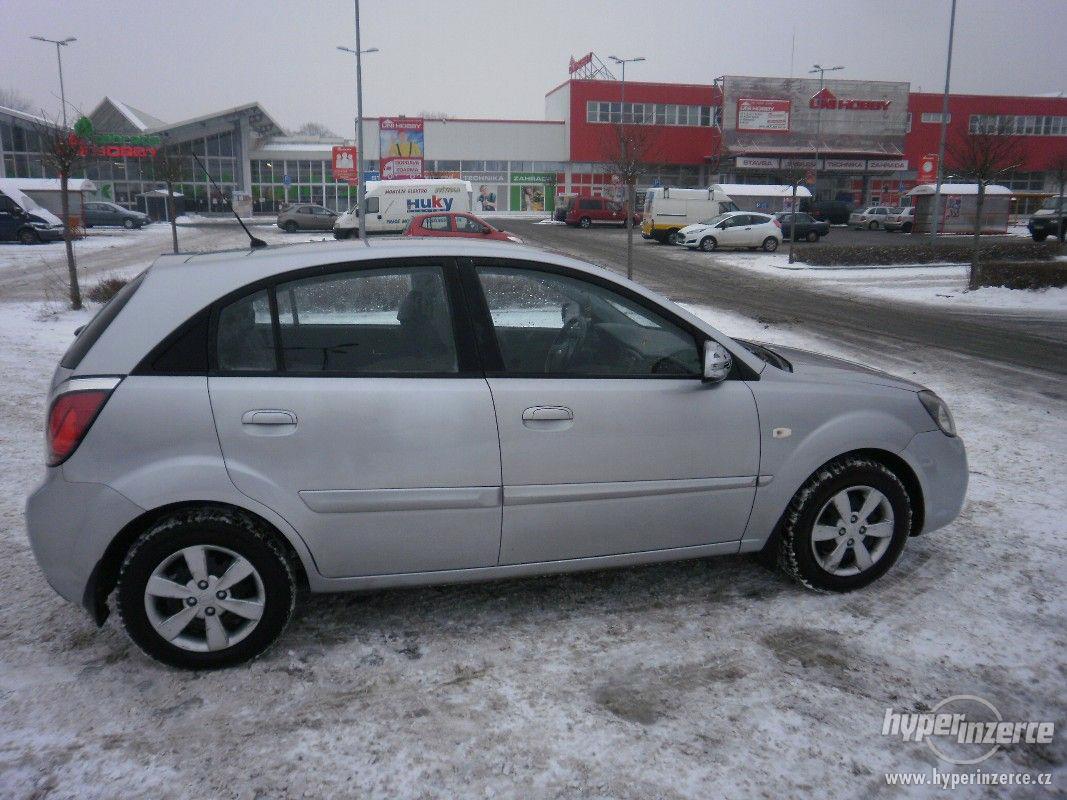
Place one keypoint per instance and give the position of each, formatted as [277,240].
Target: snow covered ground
[927,284]
[712,678]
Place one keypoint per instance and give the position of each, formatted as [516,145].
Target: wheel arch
[104,577]
[892,461]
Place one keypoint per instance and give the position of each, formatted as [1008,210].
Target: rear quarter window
[85,340]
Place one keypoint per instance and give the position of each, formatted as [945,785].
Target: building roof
[48,184]
[763,190]
[957,188]
[14,112]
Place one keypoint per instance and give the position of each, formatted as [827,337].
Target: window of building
[931,117]
[668,114]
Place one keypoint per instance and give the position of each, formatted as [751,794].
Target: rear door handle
[268,416]
[547,414]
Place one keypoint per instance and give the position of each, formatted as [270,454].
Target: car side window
[468,225]
[436,223]
[245,336]
[394,321]
[372,205]
[555,325]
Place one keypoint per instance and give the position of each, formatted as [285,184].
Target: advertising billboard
[757,114]
[402,144]
[344,164]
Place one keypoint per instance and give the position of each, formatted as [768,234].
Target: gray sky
[497,58]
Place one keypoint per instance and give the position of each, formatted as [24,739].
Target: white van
[668,210]
[390,205]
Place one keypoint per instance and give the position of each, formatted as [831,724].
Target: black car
[27,227]
[1046,222]
[836,212]
[100,212]
[808,228]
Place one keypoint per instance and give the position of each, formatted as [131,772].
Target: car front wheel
[205,588]
[708,243]
[1039,237]
[290,226]
[846,526]
[585,222]
[27,236]
[812,236]
[129,224]
[872,225]
[770,244]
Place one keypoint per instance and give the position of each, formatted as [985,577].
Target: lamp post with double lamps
[360,189]
[60,44]
[818,119]
[631,178]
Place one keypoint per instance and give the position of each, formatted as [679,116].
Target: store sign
[845,164]
[887,165]
[749,162]
[798,163]
[828,100]
[533,177]
[485,177]
[344,165]
[763,115]
[113,145]
[402,143]
[576,65]
[928,168]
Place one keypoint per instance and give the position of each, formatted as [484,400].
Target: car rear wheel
[290,226]
[770,244]
[204,589]
[906,227]
[846,526]
[28,236]
[812,236]
[872,225]
[585,222]
[708,243]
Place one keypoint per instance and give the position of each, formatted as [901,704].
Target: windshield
[714,220]
[1050,203]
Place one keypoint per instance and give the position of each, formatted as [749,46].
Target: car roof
[176,287]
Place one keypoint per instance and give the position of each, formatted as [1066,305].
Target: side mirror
[717,362]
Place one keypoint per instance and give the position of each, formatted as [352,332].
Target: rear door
[350,402]
[610,441]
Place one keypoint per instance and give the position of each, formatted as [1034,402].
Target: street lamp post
[360,189]
[818,118]
[631,176]
[59,43]
[944,127]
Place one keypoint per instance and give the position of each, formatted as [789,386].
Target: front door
[610,441]
[360,419]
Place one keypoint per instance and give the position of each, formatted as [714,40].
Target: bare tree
[314,129]
[628,151]
[9,98]
[63,154]
[168,168]
[793,177]
[986,153]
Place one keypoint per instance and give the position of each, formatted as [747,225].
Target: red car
[456,224]
[584,212]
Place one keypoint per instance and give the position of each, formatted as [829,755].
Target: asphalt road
[1012,340]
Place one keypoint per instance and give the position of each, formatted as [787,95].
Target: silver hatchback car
[232,427]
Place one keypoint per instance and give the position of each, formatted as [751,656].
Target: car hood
[822,367]
[1044,213]
[45,216]
[692,228]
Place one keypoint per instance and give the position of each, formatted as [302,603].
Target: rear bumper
[940,462]
[70,526]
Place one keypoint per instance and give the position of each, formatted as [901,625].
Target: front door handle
[547,414]
[268,416]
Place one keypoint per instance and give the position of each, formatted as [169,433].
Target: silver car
[306,217]
[235,426]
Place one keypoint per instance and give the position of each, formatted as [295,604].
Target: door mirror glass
[717,362]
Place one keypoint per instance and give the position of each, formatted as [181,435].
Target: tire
[872,225]
[673,237]
[708,243]
[770,244]
[290,226]
[585,222]
[906,227]
[129,224]
[226,538]
[812,236]
[1037,237]
[806,559]
[29,236]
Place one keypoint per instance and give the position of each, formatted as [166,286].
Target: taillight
[777,222]
[69,419]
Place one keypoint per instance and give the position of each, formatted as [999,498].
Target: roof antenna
[255,243]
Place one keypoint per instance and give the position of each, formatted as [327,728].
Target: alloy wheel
[853,530]
[204,598]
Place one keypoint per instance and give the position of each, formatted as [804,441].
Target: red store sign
[828,100]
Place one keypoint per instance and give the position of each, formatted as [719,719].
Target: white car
[733,229]
[872,217]
[904,220]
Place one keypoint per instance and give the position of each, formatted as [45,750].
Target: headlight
[938,411]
